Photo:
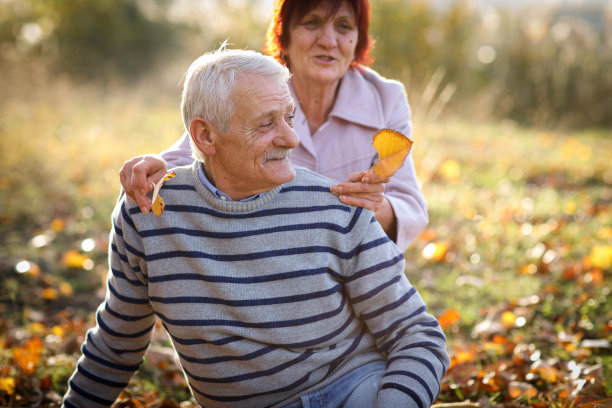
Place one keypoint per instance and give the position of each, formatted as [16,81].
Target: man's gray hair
[210,81]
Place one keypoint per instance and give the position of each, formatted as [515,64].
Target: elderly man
[273,292]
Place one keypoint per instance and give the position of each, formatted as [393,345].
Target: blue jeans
[356,389]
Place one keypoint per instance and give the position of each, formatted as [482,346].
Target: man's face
[255,155]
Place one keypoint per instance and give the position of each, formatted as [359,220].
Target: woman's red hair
[286,11]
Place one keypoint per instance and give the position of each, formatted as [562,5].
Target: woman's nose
[327,35]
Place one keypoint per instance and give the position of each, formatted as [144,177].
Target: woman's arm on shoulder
[179,154]
[139,173]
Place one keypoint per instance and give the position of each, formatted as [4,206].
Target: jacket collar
[357,101]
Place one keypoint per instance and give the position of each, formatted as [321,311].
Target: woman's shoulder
[377,81]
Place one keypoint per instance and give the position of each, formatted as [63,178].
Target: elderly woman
[340,104]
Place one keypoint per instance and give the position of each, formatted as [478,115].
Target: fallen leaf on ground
[28,356]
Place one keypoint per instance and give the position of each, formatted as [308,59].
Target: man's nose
[287,138]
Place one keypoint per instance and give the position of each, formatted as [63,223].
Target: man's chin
[285,174]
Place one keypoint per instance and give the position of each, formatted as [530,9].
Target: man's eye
[267,123]
[290,119]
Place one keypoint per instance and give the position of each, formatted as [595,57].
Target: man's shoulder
[311,191]
[175,185]
[304,175]
[183,171]
[310,188]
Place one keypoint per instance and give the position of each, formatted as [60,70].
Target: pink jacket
[366,103]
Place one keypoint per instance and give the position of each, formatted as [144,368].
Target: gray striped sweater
[263,300]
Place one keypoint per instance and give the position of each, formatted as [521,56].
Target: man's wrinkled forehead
[263,90]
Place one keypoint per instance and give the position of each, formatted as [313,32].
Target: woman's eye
[345,27]
[310,23]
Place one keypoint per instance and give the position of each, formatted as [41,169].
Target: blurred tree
[533,64]
[554,68]
[424,47]
[405,36]
[88,38]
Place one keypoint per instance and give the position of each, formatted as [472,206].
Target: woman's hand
[362,189]
[366,190]
[138,176]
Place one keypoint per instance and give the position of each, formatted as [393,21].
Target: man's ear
[201,134]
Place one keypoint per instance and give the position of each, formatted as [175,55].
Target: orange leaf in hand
[158,206]
[393,148]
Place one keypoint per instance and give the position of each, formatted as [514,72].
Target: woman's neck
[316,100]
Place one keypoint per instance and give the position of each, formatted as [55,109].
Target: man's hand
[138,176]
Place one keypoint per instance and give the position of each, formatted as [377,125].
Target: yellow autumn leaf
[28,356]
[58,331]
[601,256]
[449,318]
[58,225]
[451,170]
[158,202]
[518,389]
[508,319]
[604,233]
[465,356]
[393,148]
[73,259]
[66,289]
[7,384]
[37,328]
[435,250]
[492,347]
[158,206]
[548,373]
[49,294]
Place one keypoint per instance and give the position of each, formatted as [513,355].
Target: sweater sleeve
[114,349]
[394,312]
[179,154]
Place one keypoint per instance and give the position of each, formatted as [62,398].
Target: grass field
[516,262]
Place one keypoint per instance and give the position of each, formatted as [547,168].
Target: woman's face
[320,48]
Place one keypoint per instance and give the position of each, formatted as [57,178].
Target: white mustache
[277,154]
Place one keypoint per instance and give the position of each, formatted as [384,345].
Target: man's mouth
[277,155]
